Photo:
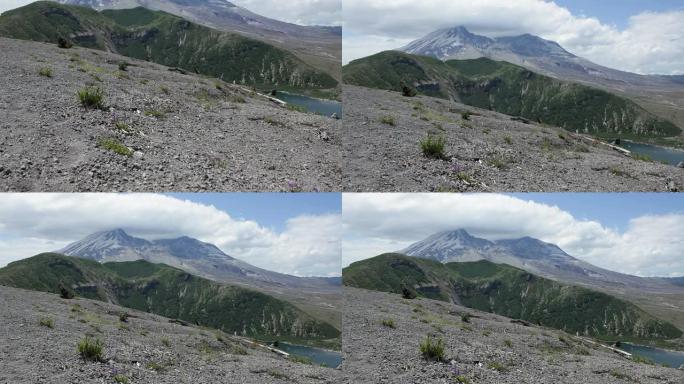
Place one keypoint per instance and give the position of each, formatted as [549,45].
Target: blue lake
[670,156]
[318,106]
[318,356]
[660,356]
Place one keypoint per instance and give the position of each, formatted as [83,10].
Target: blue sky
[617,12]
[613,210]
[270,210]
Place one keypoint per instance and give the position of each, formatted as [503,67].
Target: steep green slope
[169,292]
[509,89]
[168,40]
[510,292]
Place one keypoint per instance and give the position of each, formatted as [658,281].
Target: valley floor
[145,349]
[486,349]
[488,152]
[182,132]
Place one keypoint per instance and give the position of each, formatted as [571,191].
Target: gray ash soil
[202,138]
[145,349]
[508,352]
[487,152]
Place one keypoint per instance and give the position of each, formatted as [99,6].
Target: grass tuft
[389,323]
[90,349]
[115,146]
[389,120]
[91,97]
[432,350]
[45,72]
[46,322]
[433,147]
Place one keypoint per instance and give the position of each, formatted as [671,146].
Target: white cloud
[303,12]
[33,223]
[377,223]
[6,5]
[652,42]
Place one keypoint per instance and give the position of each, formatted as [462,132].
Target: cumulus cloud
[651,43]
[33,223]
[376,223]
[303,12]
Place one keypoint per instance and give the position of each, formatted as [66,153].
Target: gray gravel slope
[507,352]
[32,353]
[187,134]
[487,152]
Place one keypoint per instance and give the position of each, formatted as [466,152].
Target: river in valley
[668,155]
[318,106]
[318,356]
[660,356]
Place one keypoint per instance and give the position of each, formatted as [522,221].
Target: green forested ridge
[170,292]
[165,39]
[510,292]
[509,89]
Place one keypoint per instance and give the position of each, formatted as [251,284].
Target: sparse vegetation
[432,350]
[278,375]
[46,322]
[121,379]
[90,349]
[45,72]
[91,97]
[497,163]
[387,119]
[64,43]
[433,147]
[65,293]
[641,157]
[272,121]
[465,115]
[496,366]
[462,379]
[114,145]
[300,359]
[165,341]
[122,126]
[155,113]
[389,323]
[164,89]
[508,140]
[465,317]
[237,99]
[407,293]
[154,366]
[296,108]
[642,360]
[407,90]
[123,317]
[123,66]
[464,177]
[508,343]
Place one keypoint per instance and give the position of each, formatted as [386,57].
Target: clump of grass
[389,323]
[464,177]
[619,172]
[237,99]
[274,122]
[64,43]
[278,375]
[45,72]
[154,366]
[407,293]
[433,147]
[300,359]
[432,350]
[122,126]
[165,341]
[462,379]
[486,332]
[465,115]
[582,351]
[562,136]
[465,317]
[90,349]
[238,350]
[65,293]
[121,379]
[508,140]
[615,373]
[389,120]
[46,322]
[496,366]
[164,89]
[123,317]
[497,163]
[642,360]
[640,157]
[115,146]
[123,66]
[91,97]
[155,113]
[407,90]
[508,343]
[296,108]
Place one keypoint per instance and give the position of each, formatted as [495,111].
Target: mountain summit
[192,255]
